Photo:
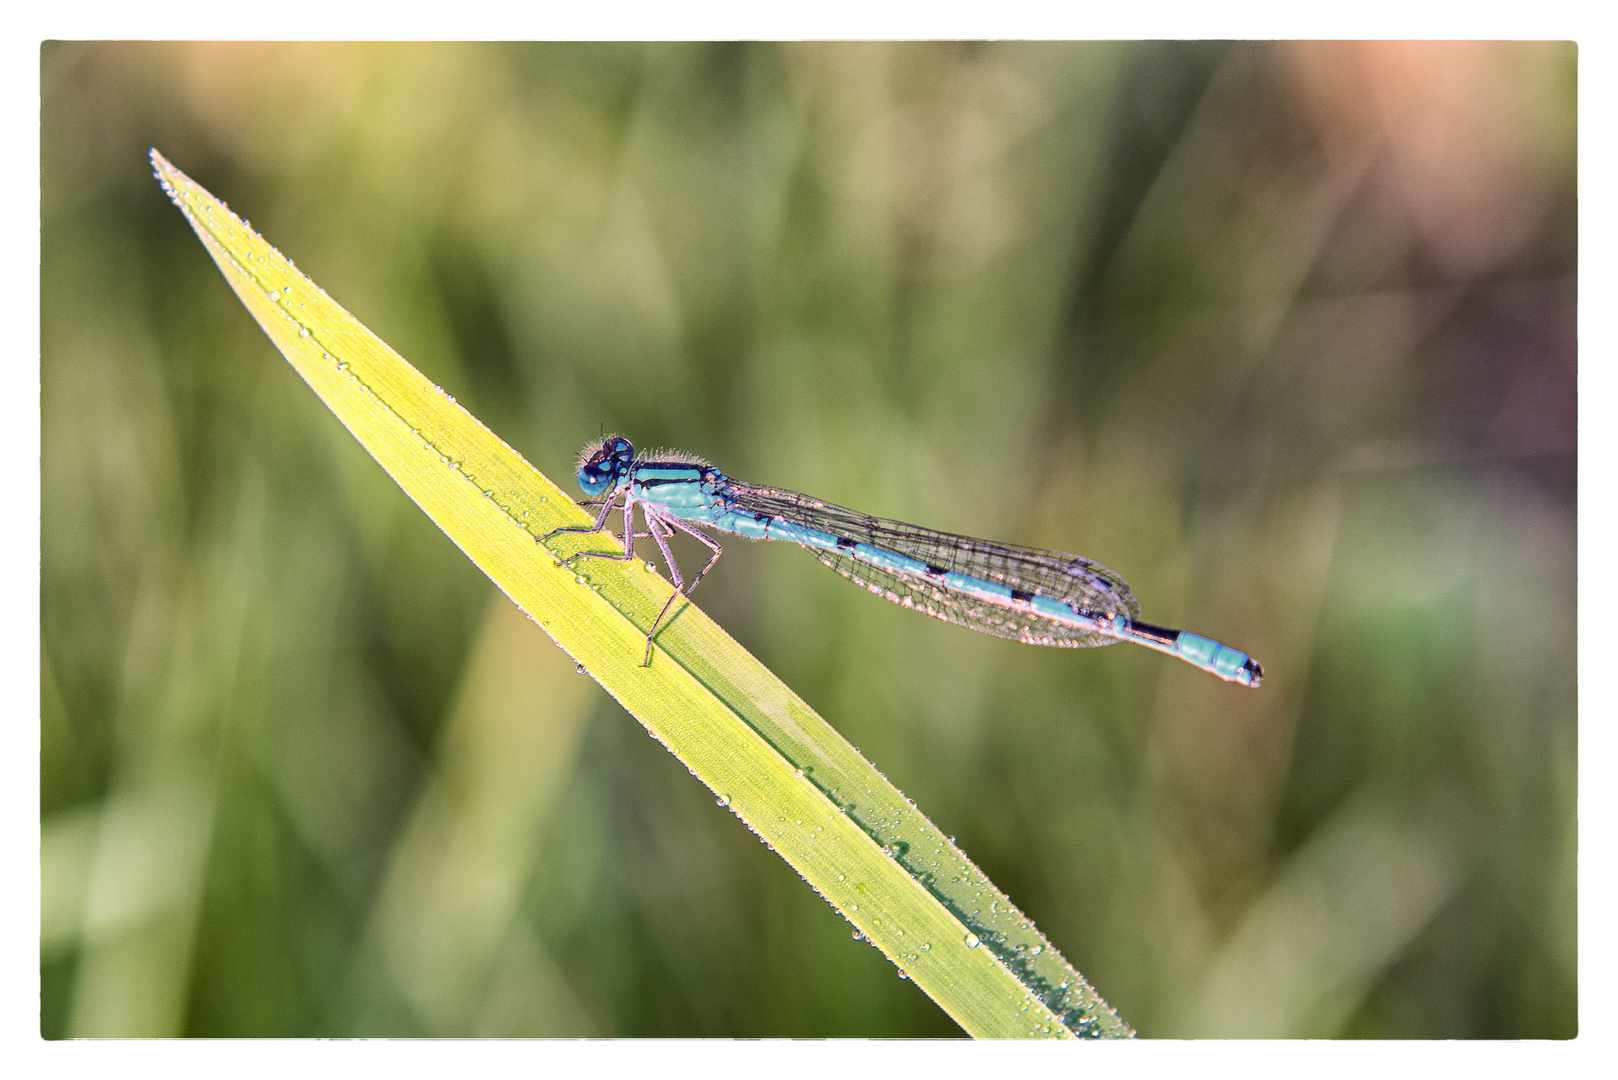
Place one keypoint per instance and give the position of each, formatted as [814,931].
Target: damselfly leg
[667,525]
[659,527]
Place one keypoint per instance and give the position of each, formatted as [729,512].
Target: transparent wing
[921,595]
[1071,579]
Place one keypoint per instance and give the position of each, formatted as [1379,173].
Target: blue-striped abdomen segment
[1225,662]
[1057,611]
[761,527]
[742,524]
[800,534]
[983,590]
[890,560]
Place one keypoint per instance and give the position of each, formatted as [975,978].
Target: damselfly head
[604,464]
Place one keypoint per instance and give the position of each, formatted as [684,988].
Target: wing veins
[1070,579]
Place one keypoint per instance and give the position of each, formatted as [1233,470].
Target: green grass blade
[779,767]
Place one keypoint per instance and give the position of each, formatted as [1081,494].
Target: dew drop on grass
[970,941]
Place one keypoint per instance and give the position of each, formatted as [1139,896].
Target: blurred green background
[1284,333]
